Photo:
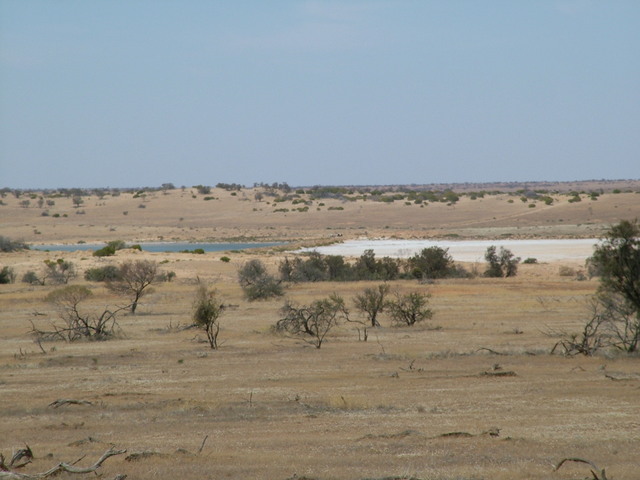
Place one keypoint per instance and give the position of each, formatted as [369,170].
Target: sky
[132,93]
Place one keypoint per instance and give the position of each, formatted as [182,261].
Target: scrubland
[473,393]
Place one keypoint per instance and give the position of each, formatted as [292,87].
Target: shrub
[617,258]
[257,283]
[59,271]
[371,302]
[206,313]
[32,278]
[432,262]
[530,260]
[565,271]
[8,245]
[504,264]
[110,249]
[78,324]
[312,322]
[7,275]
[410,308]
[225,259]
[108,273]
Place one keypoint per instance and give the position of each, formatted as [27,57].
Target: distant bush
[110,249]
[108,273]
[165,276]
[410,308]
[7,275]
[530,260]
[197,251]
[8,245]
[430,263]
[565,271]
[257,283]
[225,259]
[32,278]
[503,264]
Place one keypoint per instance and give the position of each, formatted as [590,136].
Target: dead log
[61,467]
[68,401]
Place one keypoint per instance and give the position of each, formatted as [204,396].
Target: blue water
[161,246]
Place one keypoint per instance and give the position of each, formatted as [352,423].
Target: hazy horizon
[317,92]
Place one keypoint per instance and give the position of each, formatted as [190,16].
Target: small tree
[134,280]
[312,322]
[8,245]
[59,271]
[410,308]
[7,275]
[432,262]
[503,264]
[617,260]
[206,313]
[371,302]
[257,283]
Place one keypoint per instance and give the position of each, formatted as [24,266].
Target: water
[161,246]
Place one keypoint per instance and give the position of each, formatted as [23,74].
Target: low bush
[7,275]
[108,273]
[8,245]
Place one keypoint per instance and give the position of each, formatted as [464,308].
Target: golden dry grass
[275,407]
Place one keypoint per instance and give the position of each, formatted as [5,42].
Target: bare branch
[61,467]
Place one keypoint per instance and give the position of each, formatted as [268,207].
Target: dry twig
[596,475]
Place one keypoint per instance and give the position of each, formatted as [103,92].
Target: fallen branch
[506,373]
[491,351]
[205,439]
[61,467]
[596,476]
[68,401]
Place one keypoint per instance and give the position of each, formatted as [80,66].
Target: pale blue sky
[141,92]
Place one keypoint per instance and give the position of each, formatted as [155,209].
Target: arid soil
[473,393]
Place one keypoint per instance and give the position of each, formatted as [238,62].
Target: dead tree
[77,323]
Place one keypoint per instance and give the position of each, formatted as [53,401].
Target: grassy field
[474,393]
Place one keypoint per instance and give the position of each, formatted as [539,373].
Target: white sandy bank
[468,250]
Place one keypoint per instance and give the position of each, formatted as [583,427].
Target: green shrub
[530,260]
[225,259]
[7,275]
[107,273]
[110,249]
[32,278]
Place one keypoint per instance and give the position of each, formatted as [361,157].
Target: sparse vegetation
[78,324]
[312,322]
[410,308]
[207,309]
[134,280]
[108,273]
[7,275]
[503,264]
[257,283]
[8,245]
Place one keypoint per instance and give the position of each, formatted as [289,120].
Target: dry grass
[273,407]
